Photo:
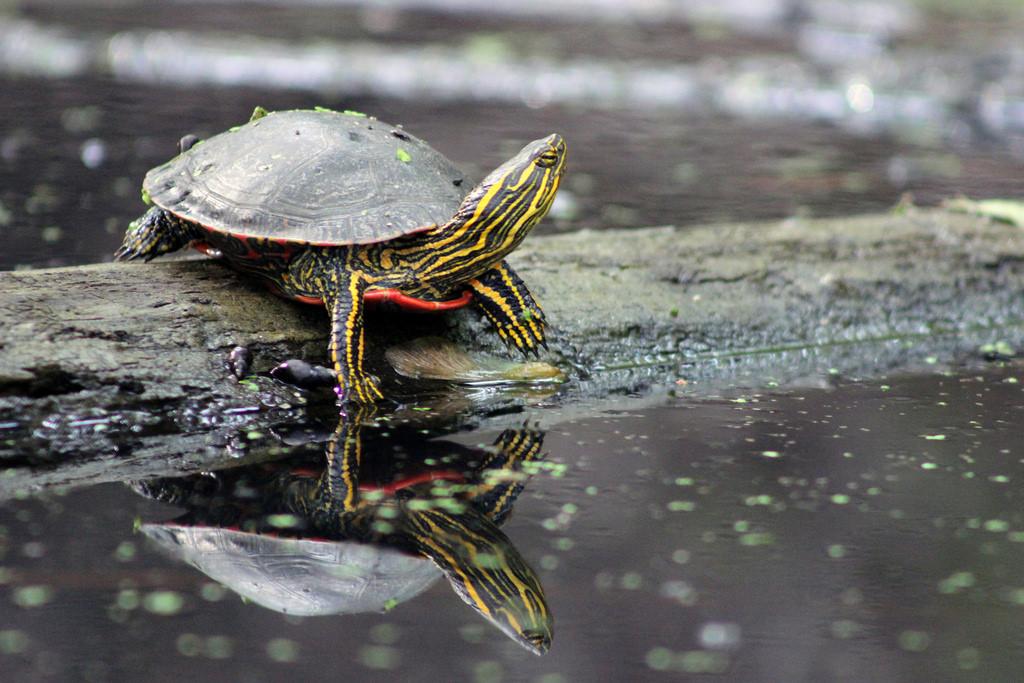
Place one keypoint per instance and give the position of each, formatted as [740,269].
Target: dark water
[627,169]
[869,531]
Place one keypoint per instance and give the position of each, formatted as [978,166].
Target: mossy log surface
[91,354]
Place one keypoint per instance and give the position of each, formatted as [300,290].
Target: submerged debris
[240,361]
[436,358]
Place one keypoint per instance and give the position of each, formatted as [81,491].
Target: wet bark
[92,353]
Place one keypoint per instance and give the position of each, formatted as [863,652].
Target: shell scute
[310,176]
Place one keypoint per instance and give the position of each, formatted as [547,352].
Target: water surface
[871,530]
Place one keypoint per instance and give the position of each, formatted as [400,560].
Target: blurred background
[676,112]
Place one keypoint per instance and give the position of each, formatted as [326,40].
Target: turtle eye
[547,159]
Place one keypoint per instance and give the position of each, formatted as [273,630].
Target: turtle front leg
[494,495]
[345,306]
[336,490]
[156,233]
[505,300]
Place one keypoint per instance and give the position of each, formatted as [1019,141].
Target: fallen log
[117,359]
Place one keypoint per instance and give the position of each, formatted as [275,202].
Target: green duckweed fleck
[164,603]
[914,641]
[757,538]
[282,650]
[956,582]
[379,657]
[125,551]
[659,658]
[996,525]
[32,596]
[631,581]
[189,645]
[968,658]
[488,672]
[844,629]
[128,599]
[13,641]
[219,647]
[284,521]
[212,592]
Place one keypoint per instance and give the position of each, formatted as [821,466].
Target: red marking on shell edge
[414,480]
[306,472]
[375,297]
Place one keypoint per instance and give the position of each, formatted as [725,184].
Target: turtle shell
[305,577]
[318,177]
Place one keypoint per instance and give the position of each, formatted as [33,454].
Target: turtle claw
[124,254]
[304,375]
[353,389]
[531,350]
[130,250]
[540,340]
[526,339]
[534,336]
[127,254]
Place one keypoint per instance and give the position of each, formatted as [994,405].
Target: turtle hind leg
[345,306]
[505,300]
[156,233]
[326,275]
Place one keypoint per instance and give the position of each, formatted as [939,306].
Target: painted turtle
[341,209]
[318,540]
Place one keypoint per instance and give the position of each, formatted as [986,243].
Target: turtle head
[486,571]
[515,196]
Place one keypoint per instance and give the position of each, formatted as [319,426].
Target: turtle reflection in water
[323,540]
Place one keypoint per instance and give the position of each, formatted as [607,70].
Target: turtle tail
[156,232]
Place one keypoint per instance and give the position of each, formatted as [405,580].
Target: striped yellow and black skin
[486,571]
[480,562]
[434,265]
